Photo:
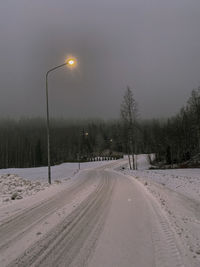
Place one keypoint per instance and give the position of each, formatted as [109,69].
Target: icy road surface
[102,218]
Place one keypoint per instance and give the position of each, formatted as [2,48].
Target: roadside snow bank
[178,194]
[19,183]
[62,171]
[13,187]
[184,181]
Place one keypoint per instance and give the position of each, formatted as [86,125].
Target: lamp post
[71,62]
[86,136]
[82,134]
[111,142]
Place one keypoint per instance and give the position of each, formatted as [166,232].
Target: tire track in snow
[65,241]
[167,252]
[17,226]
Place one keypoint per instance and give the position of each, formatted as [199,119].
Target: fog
[153,46]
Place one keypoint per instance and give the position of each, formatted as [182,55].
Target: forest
[175,140]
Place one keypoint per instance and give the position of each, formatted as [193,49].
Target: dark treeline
[175,140]
[23,142]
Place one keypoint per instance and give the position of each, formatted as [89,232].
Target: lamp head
[71,62]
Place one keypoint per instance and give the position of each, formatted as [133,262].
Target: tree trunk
[129,160]
[136,161]
[133,161]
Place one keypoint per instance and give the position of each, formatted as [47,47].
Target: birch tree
[129,113]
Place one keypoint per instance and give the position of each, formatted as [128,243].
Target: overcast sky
[151,45]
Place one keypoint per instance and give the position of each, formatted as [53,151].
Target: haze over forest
[152,46]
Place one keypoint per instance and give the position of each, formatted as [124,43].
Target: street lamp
[71,63]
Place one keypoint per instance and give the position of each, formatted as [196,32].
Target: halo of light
[71,62]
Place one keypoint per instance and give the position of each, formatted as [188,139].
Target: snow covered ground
[175,194]
[24,222]
[184,181]
[19,183]
[61,171]
[102,214]
[178,193]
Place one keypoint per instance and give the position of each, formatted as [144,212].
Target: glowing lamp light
[71,62]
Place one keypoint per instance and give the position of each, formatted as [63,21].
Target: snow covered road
[136,231]
[103,218]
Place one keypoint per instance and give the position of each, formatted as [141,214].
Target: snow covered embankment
[13,187]
[184,181]
[178,193]
[19,183]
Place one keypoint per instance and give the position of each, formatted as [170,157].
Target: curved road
[118,224]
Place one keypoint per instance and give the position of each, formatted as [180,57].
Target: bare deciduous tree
[129,113]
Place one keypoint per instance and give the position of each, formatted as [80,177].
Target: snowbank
[13,187]
[17,184]
[184,181]
[61,171]
[178,193]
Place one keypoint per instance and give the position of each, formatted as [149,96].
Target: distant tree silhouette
[129,114]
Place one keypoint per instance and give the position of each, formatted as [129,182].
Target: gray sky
[151,45]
